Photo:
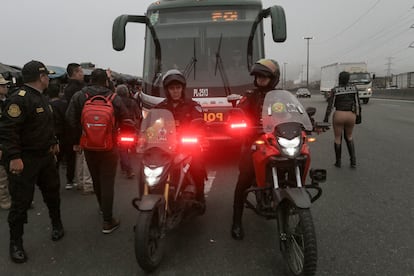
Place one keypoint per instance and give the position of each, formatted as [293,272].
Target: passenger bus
[213,42]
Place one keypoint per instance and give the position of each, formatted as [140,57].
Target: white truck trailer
[360,77]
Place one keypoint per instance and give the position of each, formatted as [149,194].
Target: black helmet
[268,68]
[173,75]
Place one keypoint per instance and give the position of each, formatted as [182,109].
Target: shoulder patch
[22,93]
[14,111]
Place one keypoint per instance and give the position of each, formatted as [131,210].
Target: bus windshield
[209,46]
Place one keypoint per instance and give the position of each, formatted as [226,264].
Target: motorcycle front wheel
[149,241]
[298,239]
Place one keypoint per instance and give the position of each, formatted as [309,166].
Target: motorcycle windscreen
[281,106]
[158,130]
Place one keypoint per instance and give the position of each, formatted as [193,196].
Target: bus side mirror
[278,23]
[118,29]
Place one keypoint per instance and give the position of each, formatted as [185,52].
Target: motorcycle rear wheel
[298,240]
[149,241]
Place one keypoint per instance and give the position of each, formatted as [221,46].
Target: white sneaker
[69,186]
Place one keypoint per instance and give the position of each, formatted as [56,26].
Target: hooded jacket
[74,111]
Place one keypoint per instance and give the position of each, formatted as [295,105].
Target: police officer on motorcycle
[185,111]
[266,74]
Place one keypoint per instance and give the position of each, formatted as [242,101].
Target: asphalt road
[364,220]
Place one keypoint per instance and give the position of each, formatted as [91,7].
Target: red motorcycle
[282,160]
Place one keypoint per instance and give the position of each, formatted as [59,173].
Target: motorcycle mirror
[233,98]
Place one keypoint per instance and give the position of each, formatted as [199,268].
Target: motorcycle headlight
[153,175]
[289,147]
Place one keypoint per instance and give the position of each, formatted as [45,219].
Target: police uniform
[251,104]
[343,98]
[27,133]
[185,111]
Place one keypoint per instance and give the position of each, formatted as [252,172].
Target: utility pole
[389,63]
[307,60]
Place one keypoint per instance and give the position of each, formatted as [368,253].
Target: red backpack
[98,122]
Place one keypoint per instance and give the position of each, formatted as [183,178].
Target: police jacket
[26,124]
[184,112]
[343,98]
[2,105]
[251,104]
[74,110]
[72,87]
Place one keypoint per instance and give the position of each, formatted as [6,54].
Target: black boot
[351,150]
[338,150]
[201,208]
[237,228]
[17,253]
[200,197]
[57,231]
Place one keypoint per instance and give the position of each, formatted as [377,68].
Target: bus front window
[198,47]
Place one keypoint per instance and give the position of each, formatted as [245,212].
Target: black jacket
[27,124]
[2,105]
[59,109]
[134,111]
[72,87]
[74,111]
[186,111]
[343,98]
[252,104]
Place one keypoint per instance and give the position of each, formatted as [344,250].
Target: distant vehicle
[303,93]
[360,77]
[214,43]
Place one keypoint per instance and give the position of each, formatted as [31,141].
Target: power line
[387,41]
[356,21]
[367,42]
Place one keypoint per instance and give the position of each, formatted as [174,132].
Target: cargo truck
[360,77]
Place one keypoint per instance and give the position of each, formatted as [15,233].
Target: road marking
[209,183]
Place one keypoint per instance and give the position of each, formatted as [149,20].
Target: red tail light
[240,125]
[189,140]
[126,139]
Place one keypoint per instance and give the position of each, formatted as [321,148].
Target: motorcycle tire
[149,241]
[298,239]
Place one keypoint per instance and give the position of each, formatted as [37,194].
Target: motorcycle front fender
[297,196]
[148,202]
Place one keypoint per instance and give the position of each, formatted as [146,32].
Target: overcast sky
[58,32]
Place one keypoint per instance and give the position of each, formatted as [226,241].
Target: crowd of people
[41,130]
